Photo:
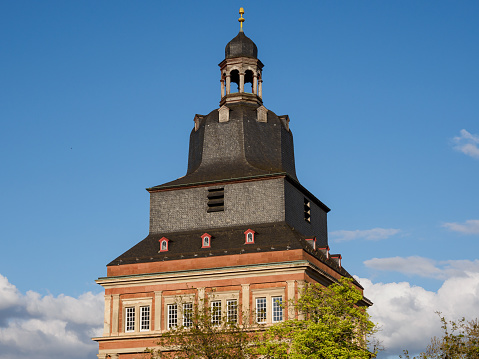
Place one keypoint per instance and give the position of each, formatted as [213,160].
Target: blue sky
[98,99]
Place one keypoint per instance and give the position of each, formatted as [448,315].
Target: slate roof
[239,148]
[241,46]
[224,241]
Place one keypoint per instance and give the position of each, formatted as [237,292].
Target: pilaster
[245,300]
[115,318]
[290,312]
[158,307]
[107,316]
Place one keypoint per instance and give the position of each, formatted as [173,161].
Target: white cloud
[424,267]
[368,234]
[37,326]
[469,227]
[406,313]
[9,294]
[467,143]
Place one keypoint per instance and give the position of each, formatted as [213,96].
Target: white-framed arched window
[164,244]
[249,236]
[206,241]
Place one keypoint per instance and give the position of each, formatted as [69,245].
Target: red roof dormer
[206,241]
[249,236]
[164,244]
[312,241]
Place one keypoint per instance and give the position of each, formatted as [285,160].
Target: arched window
[249,236]
[248,79]
[206,241]
[164,244]
[234,79]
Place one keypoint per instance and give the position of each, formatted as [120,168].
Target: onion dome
[241,46]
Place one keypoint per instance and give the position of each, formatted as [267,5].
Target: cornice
[193,275]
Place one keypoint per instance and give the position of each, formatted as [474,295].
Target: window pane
[232,311]
[130,319]
[172,316]
[277,309]
[145,318]
[187,314]
[260,310]
[216,312]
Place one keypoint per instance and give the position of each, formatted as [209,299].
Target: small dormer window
[312,242]
[206,241]
[249,236]
[337,258]
[164,244]
[325,251]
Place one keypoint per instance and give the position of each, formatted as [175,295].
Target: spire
[241,19]
[242,67]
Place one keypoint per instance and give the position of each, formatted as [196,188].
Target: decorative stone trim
[107,315]
[197,120]
[224,114]
[262,114]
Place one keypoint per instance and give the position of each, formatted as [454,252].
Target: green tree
[459,341]
[204,334]
[330,325]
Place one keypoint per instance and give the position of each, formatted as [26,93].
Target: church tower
[239,223]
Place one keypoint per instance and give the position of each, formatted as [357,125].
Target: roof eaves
[205,183]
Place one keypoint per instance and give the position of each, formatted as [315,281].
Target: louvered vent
[216,200]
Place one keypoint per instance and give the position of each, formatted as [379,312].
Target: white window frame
[171,309]
[206,240]
[216,312]
[277,309]
[249,233]
[187,314]
[164,245]
[145,318]
[130,313]
[269,294]
[136,304]
[232,310]
[261,313]
[180,300]
[224,297]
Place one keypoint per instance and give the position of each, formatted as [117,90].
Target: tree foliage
[203,337]
[329,325]
[459,341]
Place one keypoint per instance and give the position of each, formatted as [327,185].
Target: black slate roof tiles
[224,241]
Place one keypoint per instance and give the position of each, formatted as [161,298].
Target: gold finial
[241,19]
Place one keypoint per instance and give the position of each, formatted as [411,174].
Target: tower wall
[294,214]
[245,203]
